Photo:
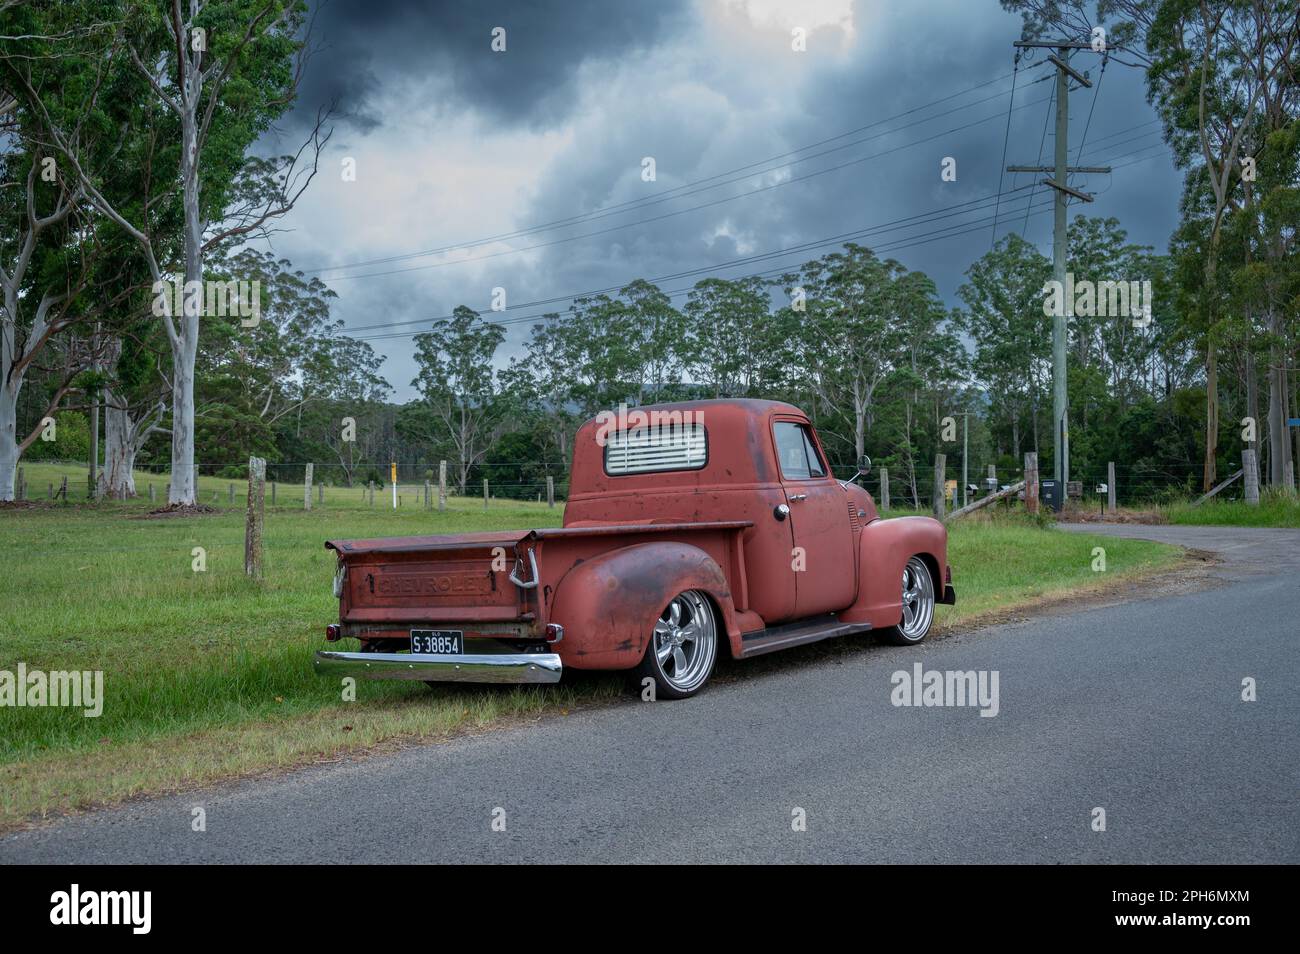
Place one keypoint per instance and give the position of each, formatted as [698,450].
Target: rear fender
[608,604]
[884,549]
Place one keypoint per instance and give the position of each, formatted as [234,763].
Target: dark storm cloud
[368,44]
[464,143]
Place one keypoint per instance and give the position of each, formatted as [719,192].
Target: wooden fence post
[63,489]
[550,491]
[884,488]
[51,490]
[370,490]
[442,485]
[940,474]
[1110,486]
[230,495]
[151,493]
[253,520]
[273,486]
[306,489]
[428,494]
[1250,472]
[485,494]
[1031,482]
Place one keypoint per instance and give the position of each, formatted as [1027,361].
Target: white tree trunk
[182,486]
[185,344]
[8,442]
[124,436]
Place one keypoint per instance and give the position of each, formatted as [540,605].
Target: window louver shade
[645,450]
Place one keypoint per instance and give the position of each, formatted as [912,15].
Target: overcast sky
[454,143]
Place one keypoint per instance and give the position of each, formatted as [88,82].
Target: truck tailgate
[464,577]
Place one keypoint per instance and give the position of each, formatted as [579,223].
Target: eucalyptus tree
[188,87]
[1215,68]
[1004,316]
[460,405]
[726,337]
[850,335]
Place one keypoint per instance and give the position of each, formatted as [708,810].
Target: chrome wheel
[918,601]
[685,643]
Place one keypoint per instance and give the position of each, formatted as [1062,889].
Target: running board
[796,634]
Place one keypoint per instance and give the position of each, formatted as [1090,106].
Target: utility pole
[965,456]
[1060,171]
[92,479]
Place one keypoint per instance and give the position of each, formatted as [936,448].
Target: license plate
[437,642]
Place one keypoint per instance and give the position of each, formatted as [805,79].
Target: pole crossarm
[1054,44]
[1079,169]
[1081,196]
[1078,77]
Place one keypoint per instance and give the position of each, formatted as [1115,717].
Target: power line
[921,218]
[668,194]
[950,231]
[1051,100]
[1096,90]
[694,208]
[1006,137]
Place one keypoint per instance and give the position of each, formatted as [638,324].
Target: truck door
[823,559]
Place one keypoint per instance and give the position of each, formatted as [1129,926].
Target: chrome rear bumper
[544,668]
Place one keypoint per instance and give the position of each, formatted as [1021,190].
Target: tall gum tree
[215,75]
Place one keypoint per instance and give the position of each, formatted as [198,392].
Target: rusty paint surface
[630,543]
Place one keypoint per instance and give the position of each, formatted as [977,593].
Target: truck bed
[394,583]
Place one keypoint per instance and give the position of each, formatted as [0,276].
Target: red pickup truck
[691,529]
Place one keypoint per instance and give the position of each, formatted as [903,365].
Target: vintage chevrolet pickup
[690,529]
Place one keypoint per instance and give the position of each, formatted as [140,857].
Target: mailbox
[1049,491]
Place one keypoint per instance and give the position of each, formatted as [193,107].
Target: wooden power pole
[1059,172]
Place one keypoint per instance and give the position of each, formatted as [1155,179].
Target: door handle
[794,497]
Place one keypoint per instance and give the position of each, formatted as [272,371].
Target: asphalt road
[1135,708]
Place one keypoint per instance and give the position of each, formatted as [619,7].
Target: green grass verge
[208,674]
[1275,509]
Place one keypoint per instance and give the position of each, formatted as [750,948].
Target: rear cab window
[656,449]
[797,452]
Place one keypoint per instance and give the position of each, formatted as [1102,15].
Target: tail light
[333,632]
[554,632]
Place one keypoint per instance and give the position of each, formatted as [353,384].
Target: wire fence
[225,483]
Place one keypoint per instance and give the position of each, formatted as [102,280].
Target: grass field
[1276,509]
[208,674]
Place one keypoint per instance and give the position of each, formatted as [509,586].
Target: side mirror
[864,467]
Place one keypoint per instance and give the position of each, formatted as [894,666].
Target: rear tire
[917,605]
[683,647]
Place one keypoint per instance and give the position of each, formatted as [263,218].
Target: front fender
[608,604]
[885,547]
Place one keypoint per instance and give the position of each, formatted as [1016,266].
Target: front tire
[917,605]
[683,647]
